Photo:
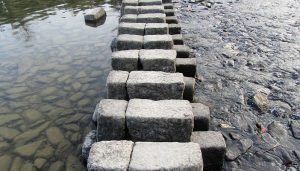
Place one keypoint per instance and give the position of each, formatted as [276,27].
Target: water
[53,70]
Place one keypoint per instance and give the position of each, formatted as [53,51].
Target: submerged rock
[89,140]
[46,152]
[56,166]
[4,146]
[8,133]
[32,115]
[30,134]
[54,135]
[5,162]
[8,118]
[17,164]
[39,162]
[28,149]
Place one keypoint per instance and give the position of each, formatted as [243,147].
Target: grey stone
[126,60]
[129,18]
[174,29]
[201,117]
[156,28]
[166,156]
[111,119]
[183,51]
[169,12]
[155,85]
[54,135]
[151,9]
[166,1]
[177,39]
[131,10]
[237,148]
[295,125]
[261,101]
[127,42]
[132,28]
[89,140]
[95,14]
[150,2]
[189,88]
[213,148]
[116,84]
[171,20]
[278,131]
[158,60]
[168,5]
[187,66]
[28,149]
[164,120]
[158,42]
[151,18]
[130,3]
[110,155]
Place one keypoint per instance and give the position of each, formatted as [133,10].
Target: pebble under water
[53,69]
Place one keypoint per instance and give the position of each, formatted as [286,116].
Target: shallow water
[53,70]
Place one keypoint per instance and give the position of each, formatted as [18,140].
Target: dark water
[53,69]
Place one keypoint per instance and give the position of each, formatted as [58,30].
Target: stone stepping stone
[164,120]
[129,18]
[155,85]
[150,2]
[171,20]
[151,9]
[169,12]
[177,39]
[174,29]
[132,28]
[153,156]
[158,42]
[158,60]
[126,60]
[213,149]
[116,84]
[168,6]
[201,117]
[128,42]
[131,10]
[189,89]
[94,14]
[130,2]
[110,155]
[156,28]
[183,51]
[111,119]
[151,18]
[187,66]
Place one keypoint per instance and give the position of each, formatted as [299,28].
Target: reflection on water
[53,69]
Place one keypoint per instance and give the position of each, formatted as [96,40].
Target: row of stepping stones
[149,120]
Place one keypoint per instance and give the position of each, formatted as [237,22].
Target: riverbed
[248,73]
[53,69]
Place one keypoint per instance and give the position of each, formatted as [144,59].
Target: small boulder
[94,14]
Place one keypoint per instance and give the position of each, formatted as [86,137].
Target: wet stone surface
[248,74]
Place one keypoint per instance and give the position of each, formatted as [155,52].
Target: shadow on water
[53,70]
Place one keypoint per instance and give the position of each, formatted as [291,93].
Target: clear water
[53,70]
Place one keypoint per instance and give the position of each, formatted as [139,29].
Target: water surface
[53,70]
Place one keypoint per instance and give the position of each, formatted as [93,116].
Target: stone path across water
[148,120]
